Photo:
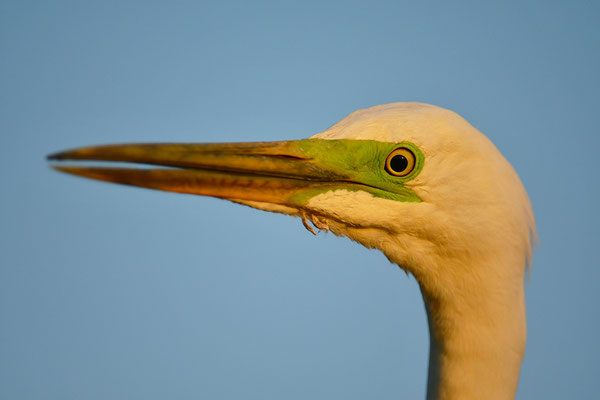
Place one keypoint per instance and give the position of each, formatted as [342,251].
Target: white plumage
[462,225]
[468,244]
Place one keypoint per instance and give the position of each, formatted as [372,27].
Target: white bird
[413,180]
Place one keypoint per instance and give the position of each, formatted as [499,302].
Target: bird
[415,181]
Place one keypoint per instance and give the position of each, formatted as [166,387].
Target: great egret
[413,180]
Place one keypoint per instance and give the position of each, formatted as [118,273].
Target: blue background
[121,293]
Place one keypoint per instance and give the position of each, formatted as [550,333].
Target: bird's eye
[400,162]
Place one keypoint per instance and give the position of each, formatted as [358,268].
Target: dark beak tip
[55,156]
[60,155]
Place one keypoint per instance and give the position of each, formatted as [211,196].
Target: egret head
[416,181]
[471,207]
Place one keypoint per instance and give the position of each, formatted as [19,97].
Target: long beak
[281,173]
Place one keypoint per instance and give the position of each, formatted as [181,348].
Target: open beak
[281,173]
[284,175]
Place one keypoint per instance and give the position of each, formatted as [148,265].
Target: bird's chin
[310,220]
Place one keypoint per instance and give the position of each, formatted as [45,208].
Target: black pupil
[398,163]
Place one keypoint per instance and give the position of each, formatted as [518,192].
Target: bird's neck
[477,342]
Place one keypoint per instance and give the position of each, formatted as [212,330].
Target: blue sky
[115,292]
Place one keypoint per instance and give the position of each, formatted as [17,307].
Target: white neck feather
[470,271]
[477,343]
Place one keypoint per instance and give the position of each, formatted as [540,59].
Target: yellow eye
[400,162]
